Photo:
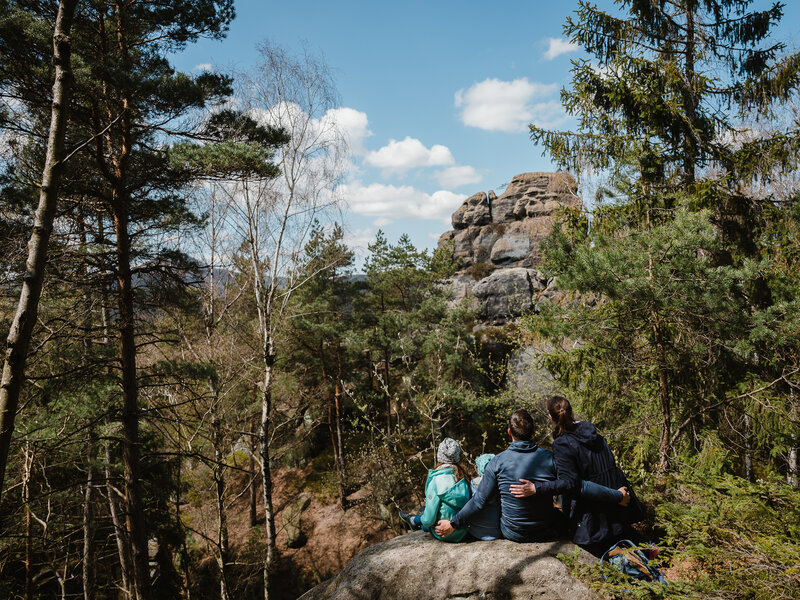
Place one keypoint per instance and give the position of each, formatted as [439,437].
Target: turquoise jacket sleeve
[432,501]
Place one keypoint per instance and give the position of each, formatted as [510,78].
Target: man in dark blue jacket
[530,519]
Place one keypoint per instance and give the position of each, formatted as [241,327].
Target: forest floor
[333,536]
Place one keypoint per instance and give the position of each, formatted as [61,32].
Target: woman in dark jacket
[580,455]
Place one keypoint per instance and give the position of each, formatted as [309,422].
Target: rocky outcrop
[498,241]
[416,566]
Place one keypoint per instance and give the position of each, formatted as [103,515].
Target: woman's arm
[600,493]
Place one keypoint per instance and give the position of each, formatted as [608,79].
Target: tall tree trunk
[120,531]
[19,336]
[665,405]
[222,515]
[794,468]
[388,392]
[130,408]
[339,448]
[689,100]
[253,476]
[748,449]
[89,527]
[26,498]
[266,468]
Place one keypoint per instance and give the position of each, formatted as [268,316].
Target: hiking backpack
[633,561]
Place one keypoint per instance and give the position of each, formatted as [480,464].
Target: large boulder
[493,234]
[416,566]
[474,212]
[508,293]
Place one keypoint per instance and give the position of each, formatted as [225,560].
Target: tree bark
[26,498]
[120,206]
[689,99]
[120,532]
[794,468]
[222,515]
[266,468]
[19,336]
[339,448]
[130,408]
[253,474]
[748,450]
[89,526]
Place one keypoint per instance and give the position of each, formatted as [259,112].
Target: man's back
[524,519]
[521,519]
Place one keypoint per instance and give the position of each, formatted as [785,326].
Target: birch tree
[273,218]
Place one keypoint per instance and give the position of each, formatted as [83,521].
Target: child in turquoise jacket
[446,492]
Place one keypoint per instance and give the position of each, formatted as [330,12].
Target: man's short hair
[521,425]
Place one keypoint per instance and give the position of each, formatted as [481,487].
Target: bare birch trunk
[266,468]
[253,475]
[19,336]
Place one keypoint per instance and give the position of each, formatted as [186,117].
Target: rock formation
[416,566]
[498,239]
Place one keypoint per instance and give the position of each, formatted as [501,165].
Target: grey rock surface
[474,212]
[291,521]
[497,234]
[506,293]
[510,249]
[416,566]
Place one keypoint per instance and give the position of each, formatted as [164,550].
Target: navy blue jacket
[583,455]
[521,519]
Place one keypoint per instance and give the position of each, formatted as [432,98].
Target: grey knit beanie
[449,451]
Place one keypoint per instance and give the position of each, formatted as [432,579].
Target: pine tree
[661,106]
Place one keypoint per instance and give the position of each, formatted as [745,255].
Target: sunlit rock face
[416,566]
[498,241]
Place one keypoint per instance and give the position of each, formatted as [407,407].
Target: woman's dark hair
[561,412]
[521,425]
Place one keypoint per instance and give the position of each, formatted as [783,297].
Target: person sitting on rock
[446,492]
[582,456]
[484,524]
[522,519]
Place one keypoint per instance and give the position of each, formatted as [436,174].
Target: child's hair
[462,470]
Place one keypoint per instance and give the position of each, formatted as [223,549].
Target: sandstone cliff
[416,566]
[498,240]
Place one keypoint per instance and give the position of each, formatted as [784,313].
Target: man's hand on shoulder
[522,490]
[443,528]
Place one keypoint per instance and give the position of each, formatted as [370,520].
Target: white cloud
[203,67]
[381,221]
[359,239]
[558,46]
[548,115]
[496,105]
[399,202]
[457,176]
[352,123]
[410,153]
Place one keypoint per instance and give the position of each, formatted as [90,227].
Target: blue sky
[440,94]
